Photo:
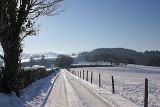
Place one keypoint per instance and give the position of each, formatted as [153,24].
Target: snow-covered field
[112,100]
[129,82]
[34,95]
[129,88]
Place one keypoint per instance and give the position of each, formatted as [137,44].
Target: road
[68,92]
[58,95]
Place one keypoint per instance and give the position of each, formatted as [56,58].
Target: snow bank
[35,95]
[10,100]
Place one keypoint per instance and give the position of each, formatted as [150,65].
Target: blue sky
[88,24]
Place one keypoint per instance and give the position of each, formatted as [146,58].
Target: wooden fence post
[80,74]
[146,93]
[91,77]
[83,74]
[99,80]
[113,90]
[87,76]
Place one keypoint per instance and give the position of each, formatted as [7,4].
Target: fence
[82,74]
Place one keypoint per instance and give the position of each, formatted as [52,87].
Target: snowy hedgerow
[32,74]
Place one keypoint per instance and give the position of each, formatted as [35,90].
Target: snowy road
[87,98]
[58,96]
[68,92]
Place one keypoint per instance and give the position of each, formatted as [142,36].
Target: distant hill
[48,55]
[121,55]
[115,55]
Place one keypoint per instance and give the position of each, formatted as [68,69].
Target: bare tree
[17,21]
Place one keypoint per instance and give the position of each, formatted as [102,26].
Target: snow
[10,100]
[38,92]
[35,67]
[73,100]
[25,60]
[34,95]
[65,94]
[92,63]
[38,66]
[62,94]
[129,88]
[113,100]
[129,82]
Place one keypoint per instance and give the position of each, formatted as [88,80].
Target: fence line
[113,83]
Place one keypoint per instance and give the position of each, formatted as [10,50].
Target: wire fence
[139,90]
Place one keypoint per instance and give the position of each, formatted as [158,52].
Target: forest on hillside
[121,55]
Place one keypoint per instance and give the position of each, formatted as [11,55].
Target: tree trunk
[11,49]
[10,41]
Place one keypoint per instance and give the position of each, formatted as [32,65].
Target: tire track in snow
[87,98]
[73,100]
[58,95]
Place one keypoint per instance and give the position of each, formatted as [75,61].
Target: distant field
[129,81]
